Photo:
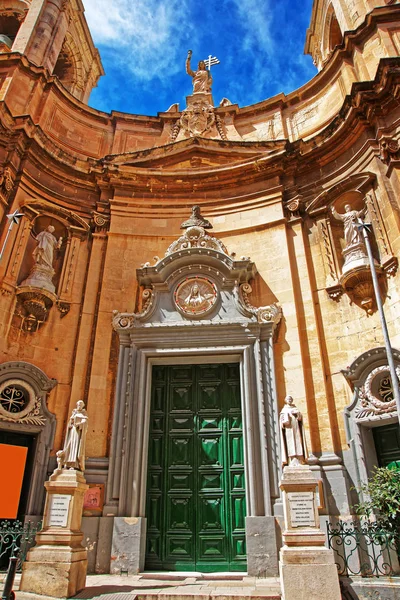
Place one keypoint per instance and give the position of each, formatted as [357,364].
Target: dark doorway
[387,444]
[29,442]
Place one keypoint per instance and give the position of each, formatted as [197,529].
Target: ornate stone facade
[286,302]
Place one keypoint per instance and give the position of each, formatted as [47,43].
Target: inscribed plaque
[58,510]
[301,506]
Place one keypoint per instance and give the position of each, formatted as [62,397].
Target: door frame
[251,345]
[137,500]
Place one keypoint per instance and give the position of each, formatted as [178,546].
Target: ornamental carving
[264,314]
[196,237]
[376,395]
[18,403]
[123,320]
[6,181]
[101,221]
[195,296]
[197,118]
[389,150]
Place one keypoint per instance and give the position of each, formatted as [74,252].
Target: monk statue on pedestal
[72,456]
[293,441]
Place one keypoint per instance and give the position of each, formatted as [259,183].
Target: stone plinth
[57,565]
[307,568]
[199,97]
[128,545]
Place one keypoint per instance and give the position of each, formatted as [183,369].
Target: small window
[17,399]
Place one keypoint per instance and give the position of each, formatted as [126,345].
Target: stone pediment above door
[197,282]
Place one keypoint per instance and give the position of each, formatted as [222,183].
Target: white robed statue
[293,441]
[72,456]
[351,220]
[47,243]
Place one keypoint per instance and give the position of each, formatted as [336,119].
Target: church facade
[183,274]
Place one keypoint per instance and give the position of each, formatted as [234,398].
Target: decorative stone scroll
[6,181]
[264,314]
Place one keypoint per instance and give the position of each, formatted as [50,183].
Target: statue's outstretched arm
[336,214]
[188,69]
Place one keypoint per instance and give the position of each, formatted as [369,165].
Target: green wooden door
[387,444]
[195,490]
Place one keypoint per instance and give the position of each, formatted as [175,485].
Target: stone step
[172,586]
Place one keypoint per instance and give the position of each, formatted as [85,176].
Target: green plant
[382,493]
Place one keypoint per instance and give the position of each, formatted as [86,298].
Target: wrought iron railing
[16,538]
[363,548]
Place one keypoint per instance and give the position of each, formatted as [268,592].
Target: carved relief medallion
[195,296]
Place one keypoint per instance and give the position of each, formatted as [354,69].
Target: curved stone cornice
[357,372]
[226,152]
[39,379]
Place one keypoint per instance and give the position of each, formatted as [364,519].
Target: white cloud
[257,43]
[255,16]
[143,34]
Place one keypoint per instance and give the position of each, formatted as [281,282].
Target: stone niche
[42,263]
[195,309]
[38,282]
[347,264]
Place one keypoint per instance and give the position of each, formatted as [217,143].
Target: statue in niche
[47,243]
[42,272]
[72,456]
[201,78]
[352,235]
[196,220]
[293,441]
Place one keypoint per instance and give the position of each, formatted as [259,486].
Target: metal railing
[16,538]
[363,548]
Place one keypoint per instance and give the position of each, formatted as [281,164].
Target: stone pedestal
[199,97]
[57,565]
[307,568]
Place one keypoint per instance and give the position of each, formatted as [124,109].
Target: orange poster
[12,467]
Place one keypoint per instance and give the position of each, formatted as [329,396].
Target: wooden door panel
[196,497]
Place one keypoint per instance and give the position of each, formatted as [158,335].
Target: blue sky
[143,46]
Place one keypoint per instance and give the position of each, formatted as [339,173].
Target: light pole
[13,219]
[365,228]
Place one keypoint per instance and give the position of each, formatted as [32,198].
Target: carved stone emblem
[195,296]
[197,118]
